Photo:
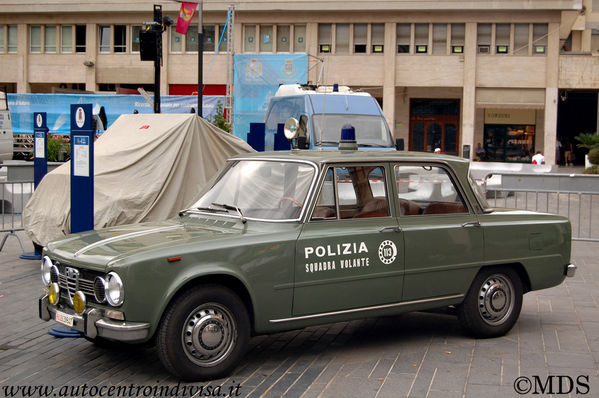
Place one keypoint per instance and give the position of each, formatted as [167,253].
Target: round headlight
[53,293]
[45,269]
[115,293]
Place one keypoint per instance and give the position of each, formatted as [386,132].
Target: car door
[350,252]
[442,235]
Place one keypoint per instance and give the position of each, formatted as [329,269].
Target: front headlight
[115,293]
[45,269]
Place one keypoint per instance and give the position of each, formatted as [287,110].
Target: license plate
[63,318]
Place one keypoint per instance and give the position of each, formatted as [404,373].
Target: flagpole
[200,61]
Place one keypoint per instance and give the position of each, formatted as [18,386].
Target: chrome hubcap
[496,299]
[209,334]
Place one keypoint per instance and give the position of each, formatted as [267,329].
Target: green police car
[285,240]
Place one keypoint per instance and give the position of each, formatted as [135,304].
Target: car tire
[493,303]
[203,334]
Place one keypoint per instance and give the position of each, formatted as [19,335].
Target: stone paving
[553,350]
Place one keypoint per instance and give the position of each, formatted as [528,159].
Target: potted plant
[590,141]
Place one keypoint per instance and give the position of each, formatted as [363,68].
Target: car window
[352,192]
[424,189]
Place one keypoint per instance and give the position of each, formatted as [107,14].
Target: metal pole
[158,59]
[200,60]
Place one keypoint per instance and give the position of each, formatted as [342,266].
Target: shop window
[484,38]
[191,39]
[439,38]
[342,38]
[360,38]
[539,38]
[224,45]
[66,39]
[176,42]
[249,40]
[421,38]
[104,38]
[299,41]
[135,29]
[502,38]
[594,40]
[80,38]
[457,37]
[283,39]
[120,38]
[12,39]
[509,143]
[403,38]
[324,37]
[521,38]
[208,38]
[378,37]
[2,40]
[35,40]
[50,35]
[595,6]
[266,39]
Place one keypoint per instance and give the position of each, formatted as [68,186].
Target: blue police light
[348,138]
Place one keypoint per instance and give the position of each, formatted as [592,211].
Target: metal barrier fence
[570,195]
[13,198]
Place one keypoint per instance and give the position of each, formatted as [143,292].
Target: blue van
[323,111]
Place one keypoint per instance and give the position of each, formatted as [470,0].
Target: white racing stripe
[125,236]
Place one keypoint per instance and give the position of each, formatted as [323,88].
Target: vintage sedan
[285,240]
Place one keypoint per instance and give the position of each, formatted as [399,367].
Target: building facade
[448,74]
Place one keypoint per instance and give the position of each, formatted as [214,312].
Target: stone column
[23,53]
[91,54]
[469,91]
[551,93]
[389,76]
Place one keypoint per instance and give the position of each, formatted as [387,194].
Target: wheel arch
[517,267]
[228,281]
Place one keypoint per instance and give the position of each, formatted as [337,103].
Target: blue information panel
[82,168]
[40,147]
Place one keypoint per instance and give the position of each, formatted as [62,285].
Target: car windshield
[371,130]
[260,189]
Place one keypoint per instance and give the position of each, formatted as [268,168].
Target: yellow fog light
[53,293]
[79,302]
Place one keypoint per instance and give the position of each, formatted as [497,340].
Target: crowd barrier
[13,198]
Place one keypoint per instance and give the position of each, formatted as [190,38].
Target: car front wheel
[204,333]
[493,303]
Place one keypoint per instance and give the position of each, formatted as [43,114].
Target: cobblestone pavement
[554,345]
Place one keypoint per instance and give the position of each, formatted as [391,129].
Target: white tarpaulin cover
[146,168]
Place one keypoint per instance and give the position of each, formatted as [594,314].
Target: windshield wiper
[210,209]
[231,207]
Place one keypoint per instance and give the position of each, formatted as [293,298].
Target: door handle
[471,224]
[390,229]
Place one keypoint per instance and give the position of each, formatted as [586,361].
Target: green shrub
[592,170]
[587,140]
[594,155]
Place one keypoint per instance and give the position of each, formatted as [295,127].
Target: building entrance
[434,123]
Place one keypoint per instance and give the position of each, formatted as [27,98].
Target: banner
[57,107]
[257,78]
[185,16]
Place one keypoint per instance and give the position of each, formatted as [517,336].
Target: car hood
[99,248]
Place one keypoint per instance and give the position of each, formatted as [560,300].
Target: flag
[185,16]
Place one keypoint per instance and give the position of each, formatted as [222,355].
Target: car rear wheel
[493,303]
[204,333]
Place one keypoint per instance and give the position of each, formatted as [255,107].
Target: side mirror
[399,144]
[291,128]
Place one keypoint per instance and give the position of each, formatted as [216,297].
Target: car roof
[335,156]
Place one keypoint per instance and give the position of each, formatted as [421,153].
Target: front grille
[71,279]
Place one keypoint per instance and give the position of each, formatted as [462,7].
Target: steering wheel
[290,199]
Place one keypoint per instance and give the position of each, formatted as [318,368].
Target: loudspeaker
[148,45]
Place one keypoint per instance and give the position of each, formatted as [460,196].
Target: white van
[6,137]
[323,111]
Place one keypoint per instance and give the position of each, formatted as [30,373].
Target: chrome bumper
[571,270]
[92,324]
